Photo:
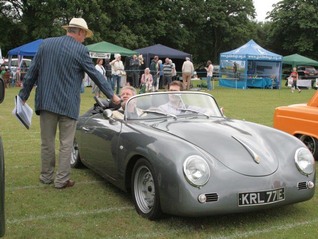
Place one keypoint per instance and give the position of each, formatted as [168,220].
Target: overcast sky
[262,7]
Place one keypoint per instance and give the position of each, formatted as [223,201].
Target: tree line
[203,28]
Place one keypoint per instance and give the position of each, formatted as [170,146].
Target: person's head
[167,60]
[126,93]
[78,29]
[147,70]
[100,61]
[117,57]
[294,69]
[208,62]
[175,86]
[187,58]
[156,58]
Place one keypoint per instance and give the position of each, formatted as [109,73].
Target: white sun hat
[79,23]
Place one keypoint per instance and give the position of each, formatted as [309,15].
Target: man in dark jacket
[154,70]
[58,70]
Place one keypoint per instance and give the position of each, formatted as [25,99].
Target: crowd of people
[158,75]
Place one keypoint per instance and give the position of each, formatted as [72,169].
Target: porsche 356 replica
[176,153]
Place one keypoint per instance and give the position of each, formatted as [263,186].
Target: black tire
[145,190]
[311,143]
[2,185]
[76,158]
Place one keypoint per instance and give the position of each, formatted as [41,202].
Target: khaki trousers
[48,123]
[186,79]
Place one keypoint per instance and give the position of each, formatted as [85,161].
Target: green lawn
[95,209]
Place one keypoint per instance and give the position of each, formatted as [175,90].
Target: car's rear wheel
[311,143]
[145,191]
[75,158]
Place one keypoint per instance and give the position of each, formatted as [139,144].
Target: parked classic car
[304,73]
[2,185]
[300,120]
[177,154]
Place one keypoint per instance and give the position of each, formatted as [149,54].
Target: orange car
[300,120]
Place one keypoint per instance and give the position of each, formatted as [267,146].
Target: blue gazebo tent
[28,49]
[256,67]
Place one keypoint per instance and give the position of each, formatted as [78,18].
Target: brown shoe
[68,184]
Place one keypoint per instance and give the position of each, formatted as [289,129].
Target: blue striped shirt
[58,70]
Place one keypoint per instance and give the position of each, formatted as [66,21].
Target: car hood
[247,148]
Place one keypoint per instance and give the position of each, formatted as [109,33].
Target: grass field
[94,208]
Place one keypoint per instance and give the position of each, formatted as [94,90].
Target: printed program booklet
[23,112]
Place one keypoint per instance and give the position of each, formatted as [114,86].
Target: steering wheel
[106,104]
[99,102]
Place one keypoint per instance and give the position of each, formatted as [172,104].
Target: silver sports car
[176,153]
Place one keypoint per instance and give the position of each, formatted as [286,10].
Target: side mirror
[1,90]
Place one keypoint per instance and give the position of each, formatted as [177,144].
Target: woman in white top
[209,70]
[99,66]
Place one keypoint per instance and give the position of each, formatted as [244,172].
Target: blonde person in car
[126,93]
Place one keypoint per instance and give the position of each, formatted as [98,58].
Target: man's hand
[116,100]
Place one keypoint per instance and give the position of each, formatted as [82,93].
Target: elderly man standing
[118,70]
[58,69]
[134,67]
[187,71]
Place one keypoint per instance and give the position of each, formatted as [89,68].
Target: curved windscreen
[171,104]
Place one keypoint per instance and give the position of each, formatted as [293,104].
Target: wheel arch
[129,169]
[314,144]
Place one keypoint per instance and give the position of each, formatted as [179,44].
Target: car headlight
[304,161]
[196,170]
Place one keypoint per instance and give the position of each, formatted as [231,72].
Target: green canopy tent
[105,49]
[297,59]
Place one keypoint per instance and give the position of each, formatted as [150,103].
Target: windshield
[171,104]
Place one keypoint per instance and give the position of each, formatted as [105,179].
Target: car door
[99,145]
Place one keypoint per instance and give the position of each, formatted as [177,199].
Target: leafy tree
[294,27]
[204,28]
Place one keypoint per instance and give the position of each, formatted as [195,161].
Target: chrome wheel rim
[74,155]
[144,189]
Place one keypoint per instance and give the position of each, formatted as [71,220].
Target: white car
[17,69]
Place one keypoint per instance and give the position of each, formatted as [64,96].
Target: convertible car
[300,120]
[177,154]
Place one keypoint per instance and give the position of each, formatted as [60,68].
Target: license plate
[261,198]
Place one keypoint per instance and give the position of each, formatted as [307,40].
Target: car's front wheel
[311,143]
[145,191]
[75,157]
